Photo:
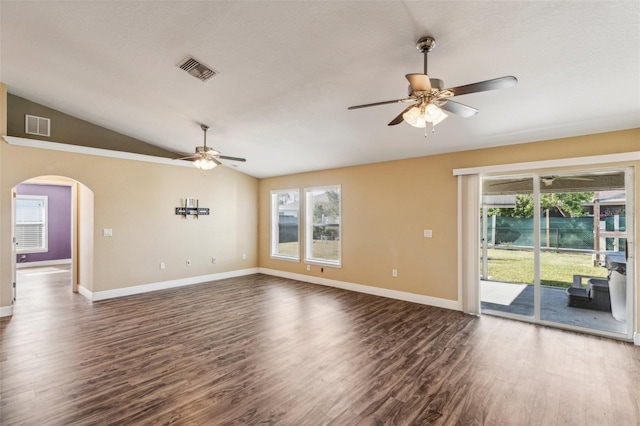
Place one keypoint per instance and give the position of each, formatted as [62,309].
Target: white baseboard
[85,292]
[636,338]
[40,263]
[377,291]
[6,311]
[145,288]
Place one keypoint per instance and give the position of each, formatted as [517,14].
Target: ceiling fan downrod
[425,45]
[204,128]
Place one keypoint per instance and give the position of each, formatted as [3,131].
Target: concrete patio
[554,308]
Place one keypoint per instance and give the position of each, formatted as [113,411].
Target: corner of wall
[3,109]
[5,219]
[6,311]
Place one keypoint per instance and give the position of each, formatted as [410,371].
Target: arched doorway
[52,227]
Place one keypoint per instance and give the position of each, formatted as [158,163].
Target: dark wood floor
[265,350]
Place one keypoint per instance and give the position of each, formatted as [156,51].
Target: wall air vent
[197,68]
[37,125]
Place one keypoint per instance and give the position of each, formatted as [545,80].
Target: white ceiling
[289,70]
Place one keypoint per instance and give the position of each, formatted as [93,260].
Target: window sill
[285,258]
[319,262]
[32,251]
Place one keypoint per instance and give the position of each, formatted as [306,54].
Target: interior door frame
[49,181]
[14,252]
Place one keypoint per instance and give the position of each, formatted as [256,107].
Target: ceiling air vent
[37,125]
[197,68]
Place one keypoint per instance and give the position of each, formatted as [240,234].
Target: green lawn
[288,249]
[329,250]
[556,269]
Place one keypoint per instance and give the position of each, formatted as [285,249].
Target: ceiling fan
[548,180]
[429,99]
[206,158]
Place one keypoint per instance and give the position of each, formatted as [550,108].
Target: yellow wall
[386,207]
[137,200]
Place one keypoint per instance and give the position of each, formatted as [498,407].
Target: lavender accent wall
[59,206]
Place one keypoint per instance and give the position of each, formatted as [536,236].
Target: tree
[567,204]
[326,213]
[327,209]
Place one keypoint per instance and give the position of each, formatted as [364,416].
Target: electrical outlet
[107,232]
[188,262]
[308,267]
[428,233]
[394,273]
[244,256]
[162,266]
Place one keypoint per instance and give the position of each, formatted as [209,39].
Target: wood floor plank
[268,350]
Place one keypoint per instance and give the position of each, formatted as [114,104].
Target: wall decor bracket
[191,208]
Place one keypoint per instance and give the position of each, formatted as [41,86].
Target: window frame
[308,240]
[45,224]
[274,225]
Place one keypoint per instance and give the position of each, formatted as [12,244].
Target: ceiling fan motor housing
[205,149]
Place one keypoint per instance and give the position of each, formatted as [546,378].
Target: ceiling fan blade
[399,119]
[419,82]
[459,109]
[382,103]
[225,157]
[509,182]
[483,86]
[189,157]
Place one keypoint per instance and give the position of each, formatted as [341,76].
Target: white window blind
[31,223]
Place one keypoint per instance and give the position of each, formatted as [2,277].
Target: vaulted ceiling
[289,70]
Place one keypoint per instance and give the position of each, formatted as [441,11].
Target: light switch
[428,233]
[107,232]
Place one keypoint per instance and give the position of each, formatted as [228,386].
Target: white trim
[146,288]
[286,258]
[460,240]
[318,262]
[6,311]
[376,291]
[624,157]
[636,338]
[274,222]
[43,263]
[85,292]
[77,149]
[308,227]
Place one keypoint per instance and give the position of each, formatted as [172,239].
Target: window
[323,225]
[31,223]
[285,224]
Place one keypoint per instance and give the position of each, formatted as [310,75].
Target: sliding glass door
[553,248]
[507,252]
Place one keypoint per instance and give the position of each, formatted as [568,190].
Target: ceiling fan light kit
[204,164]
[430,100]
[420,116]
